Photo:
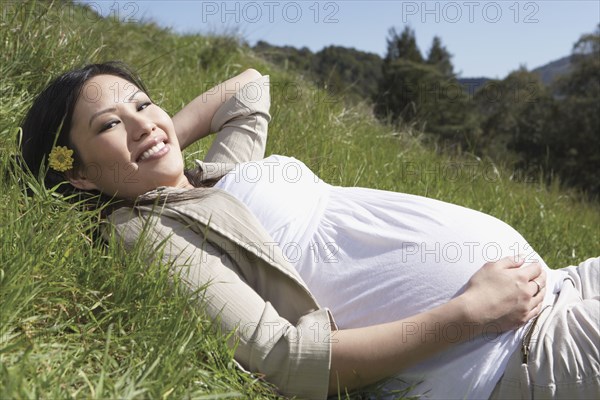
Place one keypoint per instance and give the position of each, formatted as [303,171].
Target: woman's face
[127,144]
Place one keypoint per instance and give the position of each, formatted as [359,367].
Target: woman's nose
[141,127]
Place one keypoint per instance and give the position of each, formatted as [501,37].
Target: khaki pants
[563,361]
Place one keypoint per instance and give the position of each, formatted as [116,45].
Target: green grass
[88,320]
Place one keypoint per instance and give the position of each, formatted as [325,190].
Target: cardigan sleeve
[294,357]
[241,125]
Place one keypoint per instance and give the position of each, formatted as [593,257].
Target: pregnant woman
[326,288]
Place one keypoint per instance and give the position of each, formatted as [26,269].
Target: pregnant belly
[380,256]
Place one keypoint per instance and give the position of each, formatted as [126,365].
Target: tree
[557,129]
[348,71]
[413,91]
[403,46]
[440,57]
[514,116]
[584,79]
[343,71]
[574,145]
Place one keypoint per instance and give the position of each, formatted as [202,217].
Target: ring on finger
[538,288]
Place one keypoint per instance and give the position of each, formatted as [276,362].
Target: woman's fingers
[538,291]
[508,292]
[535,276]
[531,272]
[537,288]
[538,282]
[534,311]
[533,284]
[511,261]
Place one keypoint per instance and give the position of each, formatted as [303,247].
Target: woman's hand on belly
[503,294]
[499,296]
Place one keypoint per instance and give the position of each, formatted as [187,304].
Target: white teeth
[157,147]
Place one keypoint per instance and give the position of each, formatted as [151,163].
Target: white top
[373,256]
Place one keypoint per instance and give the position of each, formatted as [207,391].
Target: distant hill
[549,72]
[471,85]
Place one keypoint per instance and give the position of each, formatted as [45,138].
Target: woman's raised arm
[500,295]
[193,121]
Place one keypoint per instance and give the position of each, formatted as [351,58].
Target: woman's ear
[79,180]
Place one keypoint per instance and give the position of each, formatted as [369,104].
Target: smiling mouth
[158,149]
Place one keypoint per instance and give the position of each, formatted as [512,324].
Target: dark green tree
[287,57]
[584,79]
[348,71]
[342,71]
[574,147]
[412,91]
[555,130]
[514,116]
[440,57]
[403,46]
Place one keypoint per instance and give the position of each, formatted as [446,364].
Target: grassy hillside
[86,320]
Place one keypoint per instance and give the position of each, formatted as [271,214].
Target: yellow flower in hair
[61,158]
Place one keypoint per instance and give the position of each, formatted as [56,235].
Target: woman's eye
[109,125]
[144,105]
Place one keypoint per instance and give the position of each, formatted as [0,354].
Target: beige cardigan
[214,241]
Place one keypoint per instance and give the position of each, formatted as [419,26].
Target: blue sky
[486,38]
